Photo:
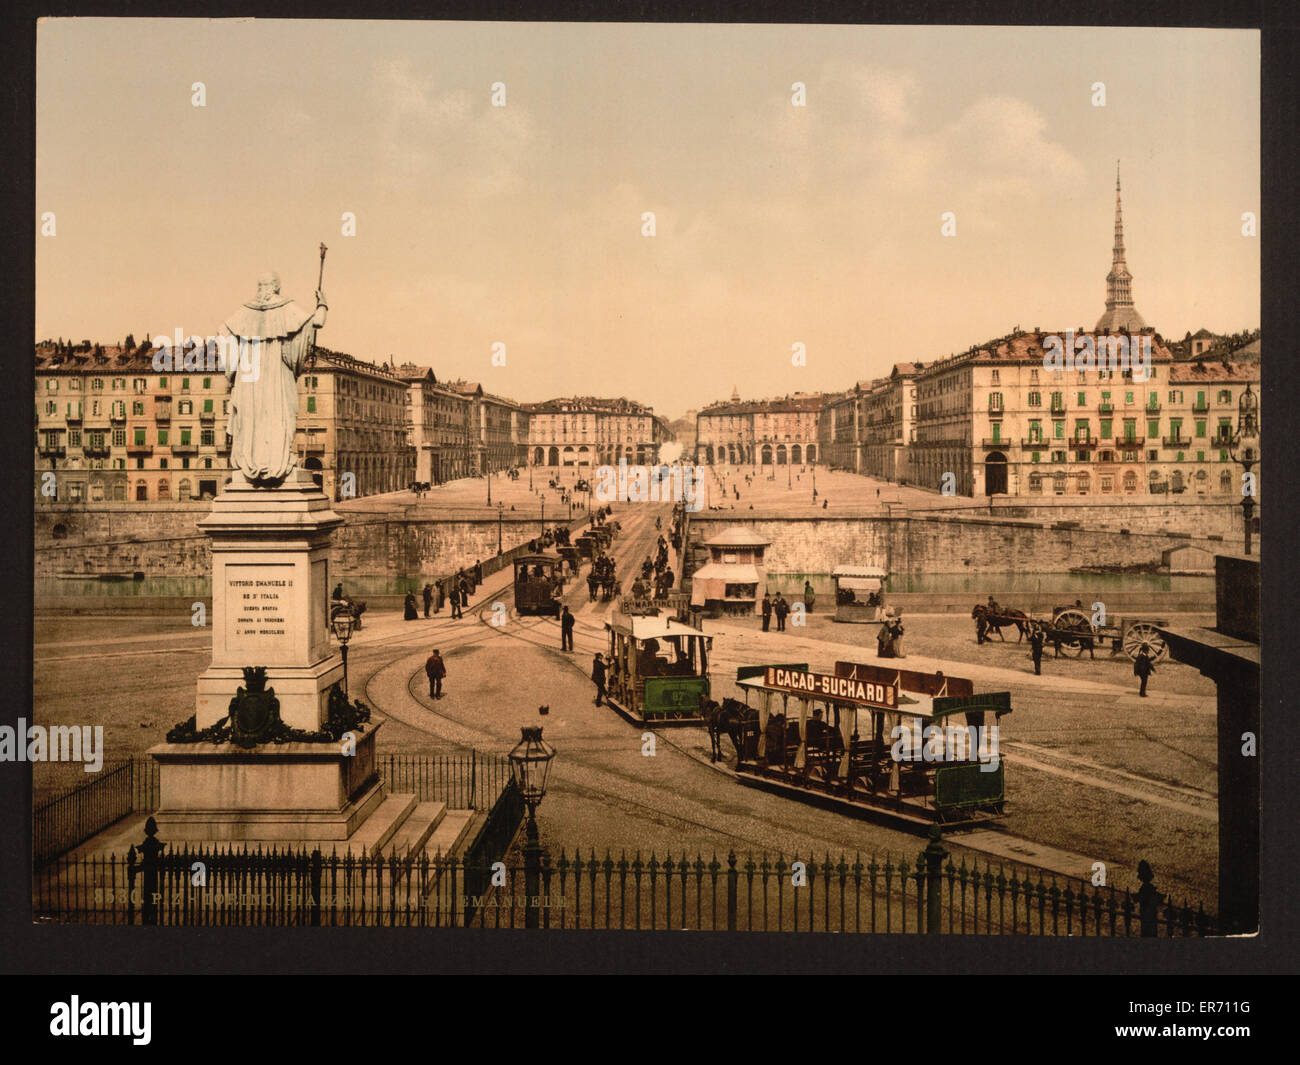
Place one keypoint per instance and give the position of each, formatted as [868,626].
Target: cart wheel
[1074,621]
[1143,635]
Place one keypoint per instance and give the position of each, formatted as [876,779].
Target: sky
[775,225]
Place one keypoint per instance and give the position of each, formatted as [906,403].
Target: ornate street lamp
[501,509]
[343,622]
[530,764]
[1244,448]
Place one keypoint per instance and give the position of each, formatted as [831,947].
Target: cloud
[452,143]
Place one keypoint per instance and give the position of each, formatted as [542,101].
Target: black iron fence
[69,819]
[468,780]
[931,893]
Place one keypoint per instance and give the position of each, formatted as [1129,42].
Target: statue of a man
[264,402]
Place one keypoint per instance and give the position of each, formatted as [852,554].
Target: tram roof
[649,627]
[536,558]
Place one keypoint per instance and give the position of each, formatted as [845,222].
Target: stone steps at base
[451,831]
[415,831]
[380,826]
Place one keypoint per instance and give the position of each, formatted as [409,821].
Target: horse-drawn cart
[1073,627]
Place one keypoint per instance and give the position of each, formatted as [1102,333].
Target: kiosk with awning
[731,582]
[920,747]
[859,593]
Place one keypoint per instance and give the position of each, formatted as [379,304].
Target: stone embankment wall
[958,544]
[163,540]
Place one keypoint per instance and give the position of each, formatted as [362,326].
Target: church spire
[1120,312]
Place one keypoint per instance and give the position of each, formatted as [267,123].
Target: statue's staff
[320,279]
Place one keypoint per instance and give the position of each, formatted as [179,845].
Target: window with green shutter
[1105,428]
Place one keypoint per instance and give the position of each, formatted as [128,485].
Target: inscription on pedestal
[258,603]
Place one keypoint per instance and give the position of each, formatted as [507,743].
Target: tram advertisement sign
[829,686]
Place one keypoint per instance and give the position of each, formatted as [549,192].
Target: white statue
[264,402]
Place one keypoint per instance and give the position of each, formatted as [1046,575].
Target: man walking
[436,669]
[782,608]
[767,610]
[598,677]
[464,592]
[567,622]
[1036,648]
[455,599]
[428,599]
[1143,667]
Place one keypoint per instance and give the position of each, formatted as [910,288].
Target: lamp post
[530,763]
[543,513]
[501,510]
[487,470]
[343,621]
[1244,448]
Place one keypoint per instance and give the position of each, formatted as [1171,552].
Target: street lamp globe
[343,622]
[530,764]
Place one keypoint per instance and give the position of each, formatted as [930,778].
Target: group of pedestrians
[778,606]
[455,589]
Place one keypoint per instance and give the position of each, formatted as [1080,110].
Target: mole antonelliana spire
[1120,312]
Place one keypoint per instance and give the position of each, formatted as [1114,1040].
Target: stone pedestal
[270,603]
[286,791]
[270,598]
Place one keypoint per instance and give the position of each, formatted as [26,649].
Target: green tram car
[869,740]
[539,582]
[658,669]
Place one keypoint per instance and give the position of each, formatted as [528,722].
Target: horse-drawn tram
[877,742]
[658,671]
[859,593]
[539,581]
